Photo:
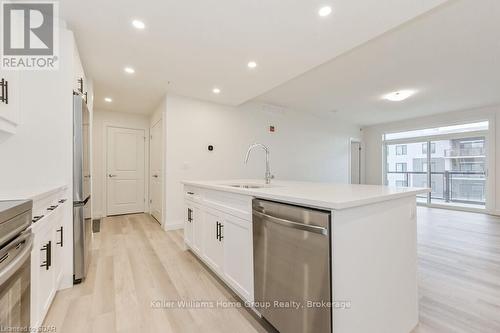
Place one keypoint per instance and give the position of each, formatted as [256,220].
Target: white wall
[304,147]
[372,136]
[102,119]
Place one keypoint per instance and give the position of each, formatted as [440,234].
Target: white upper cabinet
[9,101]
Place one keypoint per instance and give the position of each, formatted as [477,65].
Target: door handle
[111,176]
[155,176]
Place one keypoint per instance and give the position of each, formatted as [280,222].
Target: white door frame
[163,180]
[107,125]
[361,160]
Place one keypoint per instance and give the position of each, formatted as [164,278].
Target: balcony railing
[465,152]
[447,186]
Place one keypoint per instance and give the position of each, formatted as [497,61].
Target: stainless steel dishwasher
[292,266]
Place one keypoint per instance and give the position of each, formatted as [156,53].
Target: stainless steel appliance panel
[15,279]
[81,188]
[15,216]
[292,264]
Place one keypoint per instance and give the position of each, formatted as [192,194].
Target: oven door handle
[25,240]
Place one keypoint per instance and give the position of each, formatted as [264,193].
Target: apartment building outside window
[451,160]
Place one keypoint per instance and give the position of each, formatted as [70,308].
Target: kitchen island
[372,252]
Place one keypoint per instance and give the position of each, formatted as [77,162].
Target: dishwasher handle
[292,224]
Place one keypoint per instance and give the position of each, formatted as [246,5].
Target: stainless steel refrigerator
[82,222]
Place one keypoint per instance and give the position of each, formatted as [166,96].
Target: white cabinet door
[58,246]
[188,223]
[213,240]
[45,287]
[198,228]
[9,109]
[238,256]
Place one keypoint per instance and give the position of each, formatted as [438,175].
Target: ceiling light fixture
[252,64]
[138,24]
[398,96]
[129,70]
[325,11]
[108,99]
[216,91]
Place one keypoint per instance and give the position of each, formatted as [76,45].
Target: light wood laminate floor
[135,263]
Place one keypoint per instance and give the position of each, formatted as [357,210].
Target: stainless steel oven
[15,265]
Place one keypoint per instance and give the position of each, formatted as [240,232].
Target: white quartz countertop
[320,195]
[34,193]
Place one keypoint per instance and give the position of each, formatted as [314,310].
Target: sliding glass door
[454,165]
[458,172]
[405,164]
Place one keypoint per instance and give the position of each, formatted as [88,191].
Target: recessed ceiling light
[129,70]
[108,99]
[252,64]
[398,96]
[138,24]
[325,11]
[216,91]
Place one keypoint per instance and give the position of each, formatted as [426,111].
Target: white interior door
[155,187]
[125,171]
[355,162]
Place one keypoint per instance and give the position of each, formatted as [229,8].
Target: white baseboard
[97,215]
[497,213]
[174,225]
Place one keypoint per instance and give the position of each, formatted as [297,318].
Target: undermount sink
[248,185]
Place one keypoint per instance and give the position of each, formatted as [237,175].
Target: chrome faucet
[268,176]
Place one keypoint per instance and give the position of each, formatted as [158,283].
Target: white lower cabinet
[47,256]
[197,229]
[43,285]
[214,241]
[223,241]
[238,255]
[188,223]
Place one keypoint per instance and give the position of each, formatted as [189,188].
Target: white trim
[452,207]
[105,126]
[437,137]
[174,226]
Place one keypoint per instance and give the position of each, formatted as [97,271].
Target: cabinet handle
[217,230]
[5,91]
[61,242]
[221,232]
[48,255]
[190,193]
[190,213]
[52,207]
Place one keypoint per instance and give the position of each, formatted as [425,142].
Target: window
[401,183]
[424,148]
[401,150]
[401,167]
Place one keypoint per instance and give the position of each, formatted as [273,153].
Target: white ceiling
[189,47]
[450,55]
